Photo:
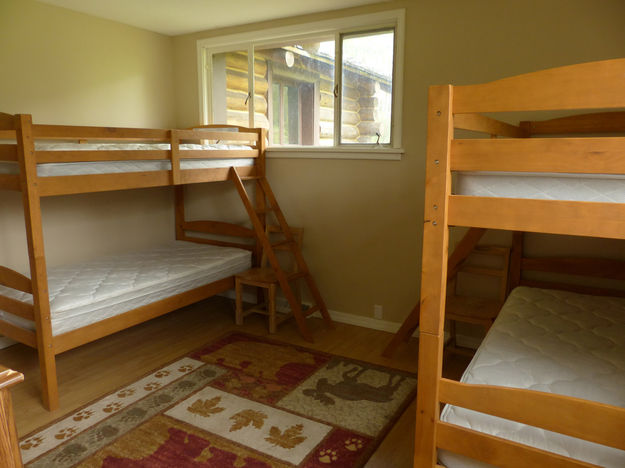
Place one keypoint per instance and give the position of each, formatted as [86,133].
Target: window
[333,85]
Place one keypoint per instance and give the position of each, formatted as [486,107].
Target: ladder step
[296,275]
[311,310]
[281,244]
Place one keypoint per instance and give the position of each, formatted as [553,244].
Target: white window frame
[335,27]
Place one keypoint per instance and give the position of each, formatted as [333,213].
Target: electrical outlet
[378,311]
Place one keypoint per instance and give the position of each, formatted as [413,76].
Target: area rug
[242,401]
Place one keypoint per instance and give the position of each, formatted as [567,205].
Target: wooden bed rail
[499,452]
[218,228]
[563,88]
[600,122]
[575,417]
[13,279]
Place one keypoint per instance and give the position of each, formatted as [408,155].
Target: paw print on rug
[151,386]
[161,374]
[185,368]
[353,445]
[32,442]
[126,393]
[84,414]
[328,456]
[112,407]
[65,433]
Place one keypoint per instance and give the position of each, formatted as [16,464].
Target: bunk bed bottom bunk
[87,293]
[550,341]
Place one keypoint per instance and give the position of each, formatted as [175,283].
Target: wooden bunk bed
[50,160]
[535,149]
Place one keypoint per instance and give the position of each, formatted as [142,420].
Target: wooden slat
[16,307]
[600,122]
[26,337]
[218,154]
[15,280]
[568,155]
[99,155]
[193,176]
[500,452]
[7,121]
[481,123]
[92,332]
[594,85]
[7,134]
[66,132]
[587,420]
[516,256]
[175,157]
[226,136]
[549,216]
[10,182]
[65,185]
[218,228]
[578,288]
[8,152]
[597,267]
[202,240]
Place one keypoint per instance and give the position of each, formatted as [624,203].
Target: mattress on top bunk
[108,167]
[550,341]
[607,188]
[89,292]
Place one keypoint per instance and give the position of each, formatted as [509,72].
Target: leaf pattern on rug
[288,439]
[246,417]
[206,408]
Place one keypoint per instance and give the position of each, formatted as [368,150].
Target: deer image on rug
[350,389]
[358,396]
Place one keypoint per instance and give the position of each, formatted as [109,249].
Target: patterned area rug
[243,402]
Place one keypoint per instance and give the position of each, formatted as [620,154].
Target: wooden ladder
[257,216]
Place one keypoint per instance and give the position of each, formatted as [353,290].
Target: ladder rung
[311,310]
[296,275]
[280,244]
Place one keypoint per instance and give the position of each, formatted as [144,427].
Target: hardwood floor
[93,370]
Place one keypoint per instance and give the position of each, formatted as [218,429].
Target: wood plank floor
[93,370]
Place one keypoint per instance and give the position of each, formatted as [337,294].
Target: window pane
[230,88]
[367,87]
[300,105]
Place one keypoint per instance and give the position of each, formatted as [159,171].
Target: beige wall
[363,218]
[68,68]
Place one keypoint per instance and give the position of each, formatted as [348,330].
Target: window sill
[333,152]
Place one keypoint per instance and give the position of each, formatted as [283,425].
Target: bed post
[179,211]
[37,259]
[259,195]
[433,272]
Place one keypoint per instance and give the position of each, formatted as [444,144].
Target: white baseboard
[359,320]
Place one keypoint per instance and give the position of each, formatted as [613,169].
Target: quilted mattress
[573,187]
[550,341]
[93,291]
[108,167]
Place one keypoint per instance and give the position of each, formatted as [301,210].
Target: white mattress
[108,167]
[93,291]
[550,341]
[574,187]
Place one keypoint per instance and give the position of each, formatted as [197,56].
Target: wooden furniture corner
[9,448]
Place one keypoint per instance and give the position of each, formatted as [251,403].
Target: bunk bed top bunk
[560,152]
[78,159]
